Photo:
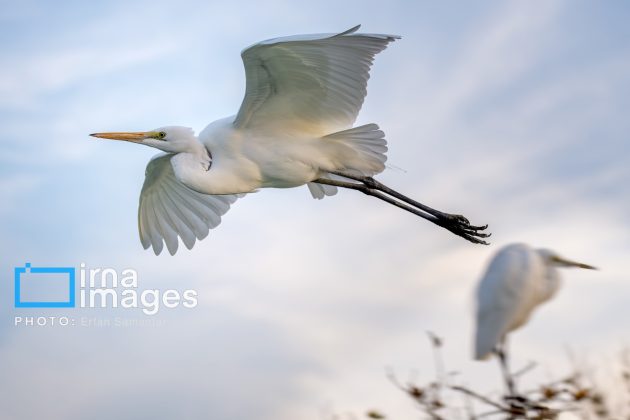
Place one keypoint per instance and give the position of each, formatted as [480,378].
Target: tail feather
[361,149]
[320,191]
[490,332]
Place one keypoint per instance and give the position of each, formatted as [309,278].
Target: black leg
[456,224]
[501,351]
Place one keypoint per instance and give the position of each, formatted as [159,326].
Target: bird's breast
[262,158]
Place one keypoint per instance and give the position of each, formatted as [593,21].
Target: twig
[480,397]
[436,345]
[525,369]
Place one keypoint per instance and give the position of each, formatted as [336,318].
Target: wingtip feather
[350,31]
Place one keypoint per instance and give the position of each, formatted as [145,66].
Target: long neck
[197,171]
[551,283]
[191,168]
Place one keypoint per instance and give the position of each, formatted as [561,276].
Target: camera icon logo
[44,287]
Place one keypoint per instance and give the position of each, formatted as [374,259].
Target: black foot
[460,226]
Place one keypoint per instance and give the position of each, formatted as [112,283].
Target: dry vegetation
[576,396]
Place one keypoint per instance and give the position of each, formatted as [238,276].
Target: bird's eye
[161,135]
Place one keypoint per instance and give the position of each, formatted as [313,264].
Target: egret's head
[168,139]
[552,258]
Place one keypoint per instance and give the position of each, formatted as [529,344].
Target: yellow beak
[574,263]
[135,137]
[582,265]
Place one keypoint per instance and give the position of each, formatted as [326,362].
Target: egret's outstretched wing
[502,296]
[314,83]
[169,209]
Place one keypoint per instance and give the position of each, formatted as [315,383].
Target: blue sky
[512,113]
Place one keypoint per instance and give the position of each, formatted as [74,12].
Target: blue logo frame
[70,271]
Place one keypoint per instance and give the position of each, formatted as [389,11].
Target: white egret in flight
[517,280]
[294,127]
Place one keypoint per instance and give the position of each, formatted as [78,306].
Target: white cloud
[14,187]
[304,303]
[31,76]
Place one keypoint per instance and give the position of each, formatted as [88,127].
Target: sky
[511,113]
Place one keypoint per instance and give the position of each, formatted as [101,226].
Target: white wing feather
[314,83]
[502,297]
[168,209]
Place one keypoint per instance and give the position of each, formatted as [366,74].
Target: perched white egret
[294,127]
[517,280]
